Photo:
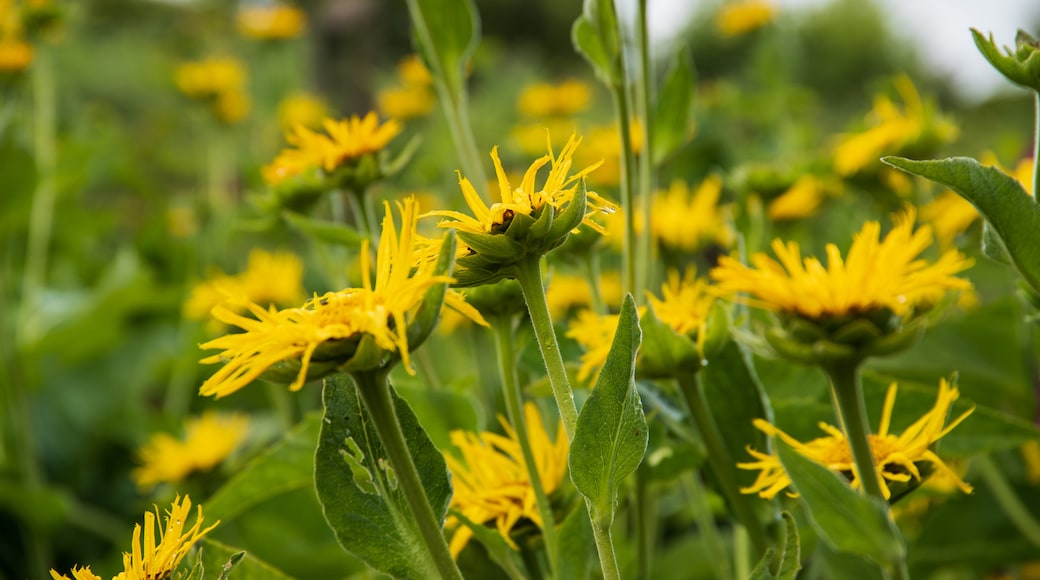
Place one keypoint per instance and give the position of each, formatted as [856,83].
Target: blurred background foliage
[105,357]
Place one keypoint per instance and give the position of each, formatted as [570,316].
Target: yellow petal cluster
[15,53]
[685,220]
[342,142]
[876,274]
[491,479]
[208,440]
[272,22]
[218,80]
[895,456]
[269,278]
[413,96]
[561,100]
[155,556]
[800,200]
[743,16]
[685,302]
[301,109]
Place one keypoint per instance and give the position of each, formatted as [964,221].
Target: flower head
[545,100]
[896,457]
[800,200]
[352,329]
[743,16]
[301,109]
[207,441]
[685,220]
[273,22]
[219,82]
[413,96]
[684,304]
[491,479]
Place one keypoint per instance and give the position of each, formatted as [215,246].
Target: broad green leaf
[576,544]
[595,37]
[790,555]
[993,246]
[446,32]
[611,435]
[441,411]
[847,520]
[324,231]
[223,561]
[358,490]
[286,465]
[498,550]
[671,114]
[1011,212]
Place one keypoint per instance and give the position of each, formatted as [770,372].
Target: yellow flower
[407,102]
[149,559]
[210,77]
[301,109]
[876,275]
[685,221]
[685,302]
[949,215]
[413,72]
[308,155]
[594,333]
[800,200]
[268,279]
[895,456]
[603,143]
[208,440]
[337,321]
[530,137]
[743,16]
[545,100]
[15,55]
[492,482]
[273,22]
[565,292]
[232,106]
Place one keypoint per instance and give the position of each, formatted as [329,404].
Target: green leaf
[324,231]
[595,37]
[221,559]
[498,550]
[845,519]
[790,555]
[611,436]
[446,32]
[1011,212]
[665,352]
[284,466]
[671,114]
[358,490]
[576,544]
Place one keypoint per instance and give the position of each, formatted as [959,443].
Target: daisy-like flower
[562,100]
[685,220]
[898,458]
[149,559]
[743,16]
[566,292]
[684,304]
[800,200]
[491,481]
[595,334]
[272,22]
[269,278]
[677,323]
[220,83]
[528,221]
[207,441]
[354,329]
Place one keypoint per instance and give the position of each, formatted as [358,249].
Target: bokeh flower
[685,220]
[594,332]
[567,98]
[275,21]
[491,480]
[219,82]
[413,96]
[352,329]
[684,304]
[208,440]
[301,109]
[269,279]
[802,199]
[898,458]
[742,16]
[566,292]
[15,55]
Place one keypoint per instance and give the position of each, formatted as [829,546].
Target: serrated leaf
[286,465]
[847,520]
[221,559]
[611,435]
[376,527]
[576,545]
[324,231]
[1007,207]
[671,115]
[446,33]
[498,550]
[595,37]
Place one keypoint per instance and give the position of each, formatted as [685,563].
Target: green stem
[503,331]
[453,100]
[646,159]
[721,462]
[374,389]
[1036,145]
[643,512]
[1008,500]
[629,278]
[528,274]
[605,548]
[848,398]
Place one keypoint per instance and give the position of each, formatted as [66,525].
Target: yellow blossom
[546,100]
[603,144]
[491,480]
[949,215]
[271,22]
[567,291]
[800,200]
[149,559]
[895,456]
[413,72]
[526,198]
[685,221]
[530,137]
[407,102]
[338,320]
[15,55]
[301,109]
[610,289]
[594,333]
[743,16]
[210,77]
[208,440]
[875,275]
[269,278]
[685,302]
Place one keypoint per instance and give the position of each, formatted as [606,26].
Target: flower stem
[605,548]
[1009,502]
[528,273]
[721,462]
[503,329]
[646,174]
[374,389]
[628,256]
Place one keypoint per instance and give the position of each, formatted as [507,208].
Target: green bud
[844,339]
[1021,66]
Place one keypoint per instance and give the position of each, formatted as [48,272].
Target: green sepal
[296,193]
[844,518]
[790,555]
[611,435]
[719,329]
[359,175]
[520,226]
[286,371]
[1009,209]
[369,356]
[429,312]
[493,248]
[571,216]
[595,37]
[1021,66]
[541,227]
